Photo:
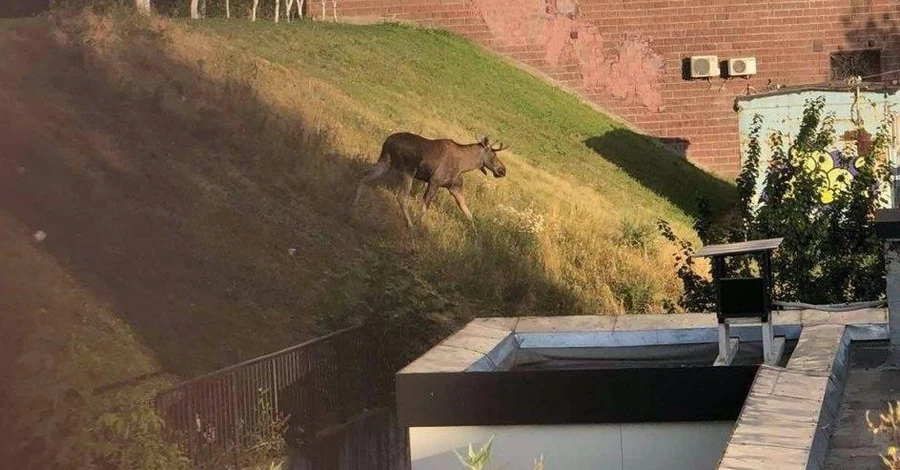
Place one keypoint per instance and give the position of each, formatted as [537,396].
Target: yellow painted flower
[834,178]
[815,161]
[825,162]
[839,179]
[810,164]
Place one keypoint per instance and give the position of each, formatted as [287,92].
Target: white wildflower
[523,221]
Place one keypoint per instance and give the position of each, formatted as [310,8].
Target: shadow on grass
[663,173]
[23,8]
[215,225]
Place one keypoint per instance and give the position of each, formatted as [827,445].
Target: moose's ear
[483,140]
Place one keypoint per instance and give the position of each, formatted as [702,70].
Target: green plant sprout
[476,460]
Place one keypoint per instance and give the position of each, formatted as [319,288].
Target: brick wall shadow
[866,30]
[670,177]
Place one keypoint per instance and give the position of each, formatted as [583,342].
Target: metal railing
[314,385]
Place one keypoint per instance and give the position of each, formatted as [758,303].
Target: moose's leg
[376,173]
[403,198]
[430,192]
[456,192]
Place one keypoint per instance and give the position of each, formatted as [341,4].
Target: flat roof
[484,343]
[785,419]
[873,380]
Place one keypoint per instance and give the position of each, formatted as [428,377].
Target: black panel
[573,396]
[743,297]
[887,223]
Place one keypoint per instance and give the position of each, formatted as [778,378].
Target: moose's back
[415,154]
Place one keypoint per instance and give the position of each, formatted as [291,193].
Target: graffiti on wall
[836,167]
[631,71]
[833,169]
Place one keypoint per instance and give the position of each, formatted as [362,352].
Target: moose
[439,163]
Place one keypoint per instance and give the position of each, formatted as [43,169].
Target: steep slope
[193,181]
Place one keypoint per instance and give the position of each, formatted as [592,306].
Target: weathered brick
[778,33]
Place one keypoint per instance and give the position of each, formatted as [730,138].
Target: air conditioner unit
[705,66]
[742,67]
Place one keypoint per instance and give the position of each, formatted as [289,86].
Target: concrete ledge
[787,420]
[477,338]
[575,323]
[854,317]
[646,337]
[499,358]
[489,343]
[761,457]
[816,349]
[778,424]
[443,359]
[507,324]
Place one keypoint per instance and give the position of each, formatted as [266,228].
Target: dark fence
[316,386]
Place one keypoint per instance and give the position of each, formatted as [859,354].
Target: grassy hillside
[193,181]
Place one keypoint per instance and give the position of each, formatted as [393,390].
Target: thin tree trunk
[300,8]
[194,13]
[142,6]
[288,4]
[253,11]
[277,9]
[202,8]
[334,9]
[324,17]
[227,9]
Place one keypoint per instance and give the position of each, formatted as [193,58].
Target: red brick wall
[626,55]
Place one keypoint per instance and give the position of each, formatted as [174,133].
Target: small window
[864,63]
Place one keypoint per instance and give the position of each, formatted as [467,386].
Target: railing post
[237,429]
[309,387]
[342,376]
[274,388]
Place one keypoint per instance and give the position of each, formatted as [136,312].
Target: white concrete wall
[662,446]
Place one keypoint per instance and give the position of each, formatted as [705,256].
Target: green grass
[174,164]
[407,75]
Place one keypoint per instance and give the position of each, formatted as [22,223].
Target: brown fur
[438,163]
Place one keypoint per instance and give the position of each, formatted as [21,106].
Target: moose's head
[489,160]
